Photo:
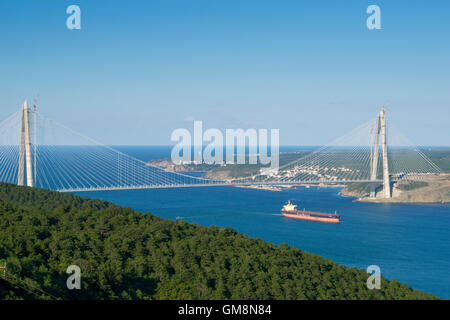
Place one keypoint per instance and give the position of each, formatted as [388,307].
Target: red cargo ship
[289,210]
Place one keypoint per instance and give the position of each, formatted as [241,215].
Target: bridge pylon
[380,129]
[374,159]
[386,177]
[25,148]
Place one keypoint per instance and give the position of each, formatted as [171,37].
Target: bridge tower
[386,178]
[25,148]
[374,158]
[380,128]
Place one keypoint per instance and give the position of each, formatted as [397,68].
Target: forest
[124,254]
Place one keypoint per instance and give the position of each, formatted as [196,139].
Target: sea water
[408,242]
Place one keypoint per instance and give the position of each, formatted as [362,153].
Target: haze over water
[410,243]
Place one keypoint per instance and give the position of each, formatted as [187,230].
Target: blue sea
[409,243]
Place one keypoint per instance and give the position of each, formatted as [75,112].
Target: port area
[265,187]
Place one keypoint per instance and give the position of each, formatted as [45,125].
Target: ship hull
[303,215]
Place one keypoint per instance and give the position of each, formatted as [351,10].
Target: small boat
[179,218]
[289,210]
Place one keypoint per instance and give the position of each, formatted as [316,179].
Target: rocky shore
[430,189]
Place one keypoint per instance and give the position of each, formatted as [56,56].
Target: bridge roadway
[220,184]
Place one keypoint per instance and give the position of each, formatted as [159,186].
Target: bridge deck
[221,184]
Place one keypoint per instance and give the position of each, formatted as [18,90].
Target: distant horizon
[287,145]
[246,146]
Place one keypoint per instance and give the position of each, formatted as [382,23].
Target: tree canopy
[124,254]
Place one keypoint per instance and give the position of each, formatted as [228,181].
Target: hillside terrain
[226,172]
[438,155]
[125,254]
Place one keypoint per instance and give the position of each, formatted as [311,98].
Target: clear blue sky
[138,69]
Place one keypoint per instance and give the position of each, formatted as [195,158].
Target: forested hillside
[125,254]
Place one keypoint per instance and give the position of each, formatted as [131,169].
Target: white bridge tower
[25,148]
[380,128]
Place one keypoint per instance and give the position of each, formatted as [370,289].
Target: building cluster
[314,172]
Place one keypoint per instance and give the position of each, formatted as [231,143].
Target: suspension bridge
[37,151]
